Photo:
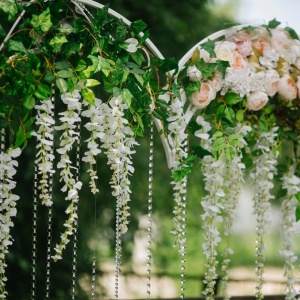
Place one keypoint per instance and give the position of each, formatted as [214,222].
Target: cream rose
[271,82]
[287,88]
[261,44]
[257,100]
[225,50]
[194,73]
[202,98]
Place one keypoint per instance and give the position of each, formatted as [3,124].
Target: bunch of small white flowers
[44,157]
[177,140]
[96,128]
[213,172]
[70,135]
[234,174]
[8,209]
[289,229]
[265,168]
[117,141]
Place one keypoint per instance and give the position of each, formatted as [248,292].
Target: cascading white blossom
[234,175]
[177,139]
[96,128]
[69,119]
[289,229]
[44,158]
[8,209]
[213,171]
[265,168]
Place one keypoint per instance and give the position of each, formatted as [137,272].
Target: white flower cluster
[44,157]
[70,135]
[177,139]
[265,168]
[233,184]
[95,126]
[8,209]
[289,228]
[117,142]
[213,204]
[261,63]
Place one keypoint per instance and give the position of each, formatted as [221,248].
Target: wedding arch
[236,92]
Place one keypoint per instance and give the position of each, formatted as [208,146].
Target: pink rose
[257,100]
[244,47]
[202,98]
[287,88]
[261,44]
[239,62]
[271,82]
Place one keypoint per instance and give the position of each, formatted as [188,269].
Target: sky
[262,11]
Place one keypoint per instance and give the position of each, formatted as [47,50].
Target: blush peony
[287,88]
[206,94]
[257,100]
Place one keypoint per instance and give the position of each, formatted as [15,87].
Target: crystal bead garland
[75,239]
[34,233]
[150,195]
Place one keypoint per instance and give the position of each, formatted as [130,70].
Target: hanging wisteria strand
[177,139]
[8,168]
[233,184]
[44,157]
[43,178]
[95,127]
[289,228]
[265,168]
[69,120]
[117,141]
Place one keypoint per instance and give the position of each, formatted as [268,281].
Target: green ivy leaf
[292,33]
[222,65]
[10,8]
[138,26]
[240,115]
[91,82]
[209,46]
[263,123]
[42,22]
[62,85]
[273,24]
[49,77]
[62,65]
[298,213]
[43,91]
[57,42]
[88,95]
[229,114]
[29,102]
[192,88]
[81,65]
[126,96]
[16,46]
[229,153]
[65,73]
[232,98]
[121,31]
[207,69]
[20,137]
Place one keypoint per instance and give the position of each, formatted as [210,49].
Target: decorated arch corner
[237,91]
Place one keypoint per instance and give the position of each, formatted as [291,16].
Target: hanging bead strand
[75,227]
[150,195]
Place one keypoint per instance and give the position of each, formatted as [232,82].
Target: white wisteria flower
[96,128]
[265,168]
[44,158]
[69,119]
[8,168]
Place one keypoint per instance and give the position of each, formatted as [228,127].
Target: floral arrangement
[244,85]
[239,95]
